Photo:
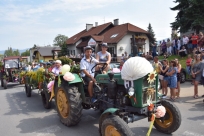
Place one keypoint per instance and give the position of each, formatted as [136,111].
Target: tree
[26,53]
[64,50]
[152,35]
[11,52]
[60,40]
[16,53]
[190,15]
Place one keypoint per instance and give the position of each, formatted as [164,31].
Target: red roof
[12,57]
[96,30]
[115,34]
[93,31]
[75,38]
[82,44]
[104,33]
[98,38]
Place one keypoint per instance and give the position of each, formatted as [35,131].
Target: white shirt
[85,65]
[185,40]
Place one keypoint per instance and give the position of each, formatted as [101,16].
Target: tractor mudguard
[105,114]
[76,80]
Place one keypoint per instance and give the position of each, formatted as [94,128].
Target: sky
[24,23]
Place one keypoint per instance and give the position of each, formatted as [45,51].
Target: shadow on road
[142,131]
[19,103]
[197,118]
[51,125]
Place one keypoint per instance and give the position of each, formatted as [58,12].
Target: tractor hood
[104,78]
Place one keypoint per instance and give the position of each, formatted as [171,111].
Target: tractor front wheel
[69,104]
[115,126]
[172,119]
[5,83]
[45,99]
[28,90]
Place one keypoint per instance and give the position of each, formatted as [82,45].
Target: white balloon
[65,68]
[135,68]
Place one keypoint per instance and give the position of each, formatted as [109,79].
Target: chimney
[88,26]
[96,24]
[116,22]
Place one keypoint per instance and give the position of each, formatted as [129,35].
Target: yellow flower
[152,77]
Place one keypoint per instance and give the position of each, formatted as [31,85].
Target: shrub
[65,60]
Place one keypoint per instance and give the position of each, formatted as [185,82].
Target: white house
[118,37]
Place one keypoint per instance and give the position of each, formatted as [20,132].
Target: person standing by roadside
[196,74]
[174,45]
[185,41]
[202,69]
[154,50]
[178,45]
[172,73]
[189,45]
[201,40]
[168,44]
[163,47]
[178,65]
[164,68]
[188,64]
[194,39]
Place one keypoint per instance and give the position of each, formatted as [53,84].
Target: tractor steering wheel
[104,65]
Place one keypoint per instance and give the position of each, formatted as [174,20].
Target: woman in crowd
[164,80]
[172,73]
[178,65]
[196,74]
[201,40]
[104,57]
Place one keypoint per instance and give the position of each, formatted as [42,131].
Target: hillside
[23,50]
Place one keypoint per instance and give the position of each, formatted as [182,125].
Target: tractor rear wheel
[69,104]
[45,99]
[5,83]
[28,90]
[2,83]
[172,119]
[115,126]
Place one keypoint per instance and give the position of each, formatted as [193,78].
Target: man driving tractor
[86,65]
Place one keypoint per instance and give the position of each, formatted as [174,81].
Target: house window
[114,35]
[111,50]
[74,52]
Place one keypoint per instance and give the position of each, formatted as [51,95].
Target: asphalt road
[23,116]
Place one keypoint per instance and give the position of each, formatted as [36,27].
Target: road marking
[189,133]
[47,131]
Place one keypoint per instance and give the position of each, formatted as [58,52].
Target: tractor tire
[5,84]
[45,99]
[114,125]
[28,90]
[69,104]
[183,77]
[2,83]
[172,119]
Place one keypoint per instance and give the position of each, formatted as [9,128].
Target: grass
[181,60]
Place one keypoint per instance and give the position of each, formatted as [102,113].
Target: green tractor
[120,101]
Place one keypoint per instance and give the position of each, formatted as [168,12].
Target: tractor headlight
[131,91]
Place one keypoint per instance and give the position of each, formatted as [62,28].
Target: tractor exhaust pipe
[131,118]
